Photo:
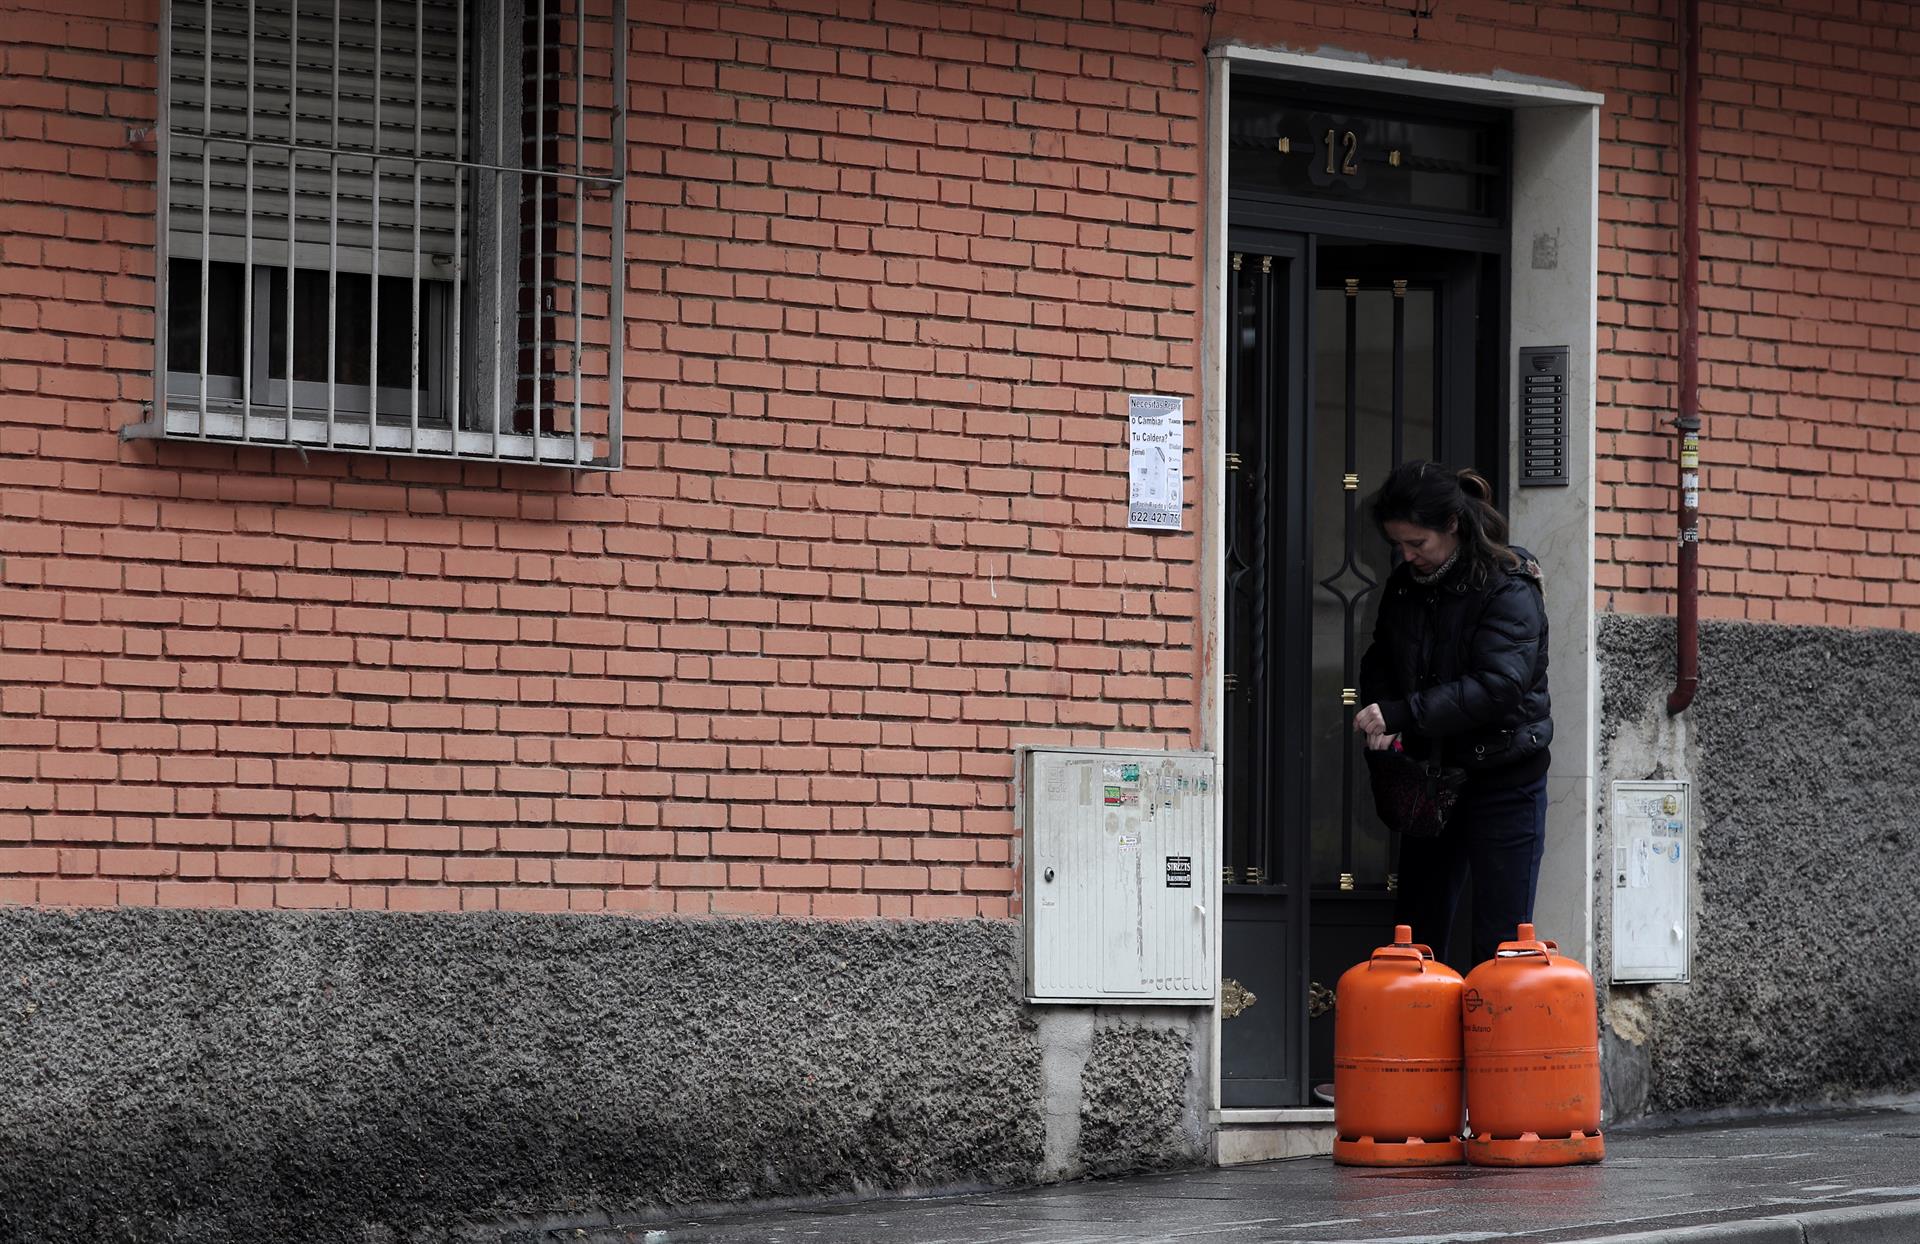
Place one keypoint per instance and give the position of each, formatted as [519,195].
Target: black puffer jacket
[1464,665]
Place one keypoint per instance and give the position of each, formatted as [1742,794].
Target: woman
[1457,674]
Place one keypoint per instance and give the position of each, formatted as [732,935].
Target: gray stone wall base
[1805,766]
[240,1076]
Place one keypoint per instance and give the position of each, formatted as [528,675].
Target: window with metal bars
[392,226]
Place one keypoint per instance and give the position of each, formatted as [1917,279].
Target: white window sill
[270,431]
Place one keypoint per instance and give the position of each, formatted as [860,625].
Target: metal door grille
[1254,310]
[1350,570]
[1366,337]
[393,226]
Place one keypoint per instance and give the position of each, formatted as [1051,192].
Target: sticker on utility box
[1122,786]
[1652,881]
[1179,872]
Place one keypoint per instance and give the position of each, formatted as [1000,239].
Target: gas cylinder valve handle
[1403,947]
[1526,945]
[1407,953]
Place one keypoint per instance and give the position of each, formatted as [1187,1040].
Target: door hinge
[1233,462]
[1349,696]
[1231,681]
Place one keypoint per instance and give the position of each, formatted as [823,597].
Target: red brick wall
[1811,302]
[890,284]
[1811,285]
[894,269]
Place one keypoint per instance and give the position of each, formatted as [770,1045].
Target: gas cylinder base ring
[1366,1151]
[1528,1149]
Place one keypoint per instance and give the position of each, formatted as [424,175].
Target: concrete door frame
[1552,300]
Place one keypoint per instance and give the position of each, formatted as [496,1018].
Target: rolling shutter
[307,94]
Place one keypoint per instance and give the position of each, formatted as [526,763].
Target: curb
[1886,1222]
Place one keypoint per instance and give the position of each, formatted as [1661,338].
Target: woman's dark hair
[1433,496]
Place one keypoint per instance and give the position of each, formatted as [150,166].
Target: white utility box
[1120,851]
[1653,849]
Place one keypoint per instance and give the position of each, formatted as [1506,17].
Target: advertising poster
[1155,485]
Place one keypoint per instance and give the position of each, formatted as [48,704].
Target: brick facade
[894,268]
[1810,299]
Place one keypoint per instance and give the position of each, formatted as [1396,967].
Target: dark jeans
[1496,834]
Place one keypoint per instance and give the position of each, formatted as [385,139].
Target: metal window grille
[393,226]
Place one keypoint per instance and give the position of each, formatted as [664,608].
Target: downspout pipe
[1687,422]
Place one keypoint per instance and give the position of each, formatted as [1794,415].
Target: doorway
[1365,327]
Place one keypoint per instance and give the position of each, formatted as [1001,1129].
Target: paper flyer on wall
[1155,484]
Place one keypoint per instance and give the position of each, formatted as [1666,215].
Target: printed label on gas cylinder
[1179,872]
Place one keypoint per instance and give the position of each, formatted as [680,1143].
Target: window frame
[210,407]
[310,396]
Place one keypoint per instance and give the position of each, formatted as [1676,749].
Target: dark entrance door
[1346,361]
[1356,340]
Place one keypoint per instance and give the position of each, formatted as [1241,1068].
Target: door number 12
[1350,163]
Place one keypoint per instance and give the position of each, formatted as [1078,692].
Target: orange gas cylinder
[1533,1058]
[1396,1059]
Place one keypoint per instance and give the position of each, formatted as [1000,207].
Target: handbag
[1413,797]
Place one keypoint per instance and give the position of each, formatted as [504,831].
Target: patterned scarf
[1427,580]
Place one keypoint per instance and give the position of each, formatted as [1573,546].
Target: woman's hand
[1370,722]
[1382,742]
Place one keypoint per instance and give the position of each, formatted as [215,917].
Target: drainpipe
[1687,422]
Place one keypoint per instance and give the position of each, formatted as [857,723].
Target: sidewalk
[1848,1177]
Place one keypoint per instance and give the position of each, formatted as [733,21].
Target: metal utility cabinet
[1653,862]
[1121,874]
